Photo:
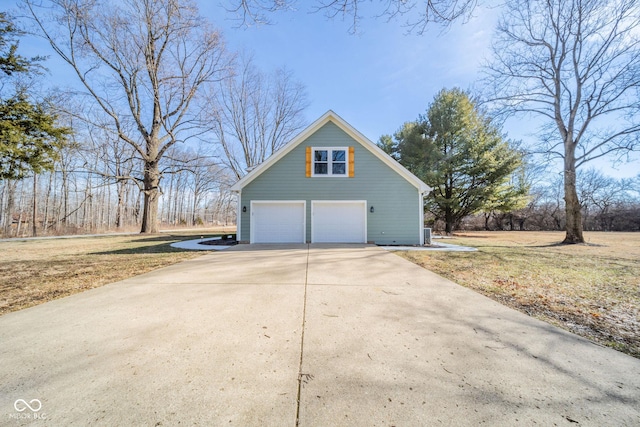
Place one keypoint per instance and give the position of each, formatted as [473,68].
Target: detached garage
[330,184]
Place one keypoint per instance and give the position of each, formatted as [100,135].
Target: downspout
[421,215]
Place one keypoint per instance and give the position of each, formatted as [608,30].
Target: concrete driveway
[299,335]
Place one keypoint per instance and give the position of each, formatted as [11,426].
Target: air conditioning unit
[427,236]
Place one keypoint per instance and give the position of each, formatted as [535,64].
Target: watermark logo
[21,405]
[28,410]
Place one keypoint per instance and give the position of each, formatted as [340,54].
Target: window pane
[320,155]
[338,155]
[320,169]
[338,168]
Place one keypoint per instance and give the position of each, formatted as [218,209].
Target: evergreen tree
[29,137]
[10,61]
[462,155]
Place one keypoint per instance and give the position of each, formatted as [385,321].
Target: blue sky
[380,77]
[376,79]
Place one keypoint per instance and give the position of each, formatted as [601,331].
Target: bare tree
[596,193]
[576,65]
[142,62]
[9,207]
[115,161]
[418,13]
[206,177]
[255,114]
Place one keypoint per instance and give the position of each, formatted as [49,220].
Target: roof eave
[351,131]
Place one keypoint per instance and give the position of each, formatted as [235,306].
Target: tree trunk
[448,219]
[572,204]
[136,211]
[168,199]
[195,206]
[11,192]
[448,192]
[151,193]
[65,197]
[106,209]
[34,228]
[45,215]
[20,209]
[120,206]
[2,211]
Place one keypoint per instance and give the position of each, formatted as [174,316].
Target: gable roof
[332,117]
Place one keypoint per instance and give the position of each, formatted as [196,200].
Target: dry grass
[592,290]
[37,271]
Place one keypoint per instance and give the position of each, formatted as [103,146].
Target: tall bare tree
[254,114]
[144,63]
[206,177]
[418,13]
[574,64]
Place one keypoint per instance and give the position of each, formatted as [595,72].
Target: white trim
[264,202]
[421,217]
[330,173]
[330,116]
[239,216]
[316,202]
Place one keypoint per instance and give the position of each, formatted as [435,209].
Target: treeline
[481,180]
[148,135]
[79,197]
[608,204]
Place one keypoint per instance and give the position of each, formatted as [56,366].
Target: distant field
[37,271]
[592,290]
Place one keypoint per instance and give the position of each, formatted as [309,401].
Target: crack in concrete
[304,317]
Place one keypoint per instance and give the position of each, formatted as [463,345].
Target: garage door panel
[278,222]
[339,222]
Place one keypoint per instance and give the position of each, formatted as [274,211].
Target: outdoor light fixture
[244,209]
[371,209]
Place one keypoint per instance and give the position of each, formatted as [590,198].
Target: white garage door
[339,221]
[278,222]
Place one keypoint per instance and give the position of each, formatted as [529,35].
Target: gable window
[330,161]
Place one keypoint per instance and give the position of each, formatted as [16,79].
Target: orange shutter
[308,170]
[351,162]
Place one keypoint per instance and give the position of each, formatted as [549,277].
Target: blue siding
[396,202]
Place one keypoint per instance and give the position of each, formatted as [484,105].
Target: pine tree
[29,137]
[462,155]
